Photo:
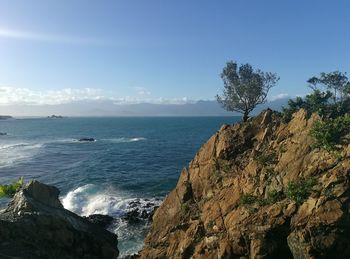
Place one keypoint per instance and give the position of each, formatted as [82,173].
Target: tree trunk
[245,116]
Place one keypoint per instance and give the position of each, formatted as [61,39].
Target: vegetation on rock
[332,105]
[244,88]
[328,133]
[300,189]
[266,158]
[9,190]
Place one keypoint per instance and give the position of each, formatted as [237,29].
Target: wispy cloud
[53,38]
[24,96]
[279,96]
[12,95]
[142,91]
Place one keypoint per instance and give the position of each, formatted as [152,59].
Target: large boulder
[35,225]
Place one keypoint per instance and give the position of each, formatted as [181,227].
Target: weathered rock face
[35,225]
[209,215]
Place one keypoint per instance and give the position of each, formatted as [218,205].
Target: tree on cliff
[244,88]
[336,82]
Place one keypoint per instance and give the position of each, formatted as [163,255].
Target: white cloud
[142,91]
[54,38]
[24,96]
[12,95]
[278,97]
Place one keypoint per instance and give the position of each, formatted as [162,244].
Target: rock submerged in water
[138,212]
[35,225]
[86,140]
[101,220]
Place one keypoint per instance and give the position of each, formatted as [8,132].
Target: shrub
[328,133]
[247,199]
[9,190]
[266,159]
[274,196]
[299,190]
[316,102]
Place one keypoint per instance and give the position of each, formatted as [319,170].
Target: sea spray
[93,199]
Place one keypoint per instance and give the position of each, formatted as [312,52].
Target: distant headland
[5,117]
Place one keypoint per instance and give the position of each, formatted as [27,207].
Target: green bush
[266,159]
[299,190]
[9,190]
[248,199]
[316,102]
[274,196]
[328,133]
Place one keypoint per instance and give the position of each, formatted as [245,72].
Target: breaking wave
[92,199]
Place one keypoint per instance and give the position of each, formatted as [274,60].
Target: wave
[123,140]
[17,152]
[92,199]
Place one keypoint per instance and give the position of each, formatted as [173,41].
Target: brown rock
[206,217]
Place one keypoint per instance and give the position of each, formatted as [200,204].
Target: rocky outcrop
[35,225]
[258,190]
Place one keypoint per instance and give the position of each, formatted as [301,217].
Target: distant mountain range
[109,108]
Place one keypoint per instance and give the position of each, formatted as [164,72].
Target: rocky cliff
[35,225]
[258,190]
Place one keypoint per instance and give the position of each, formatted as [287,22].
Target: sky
[54,52]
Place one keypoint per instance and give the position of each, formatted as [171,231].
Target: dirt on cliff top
[257,190]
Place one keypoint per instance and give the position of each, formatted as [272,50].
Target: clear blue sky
[169,49]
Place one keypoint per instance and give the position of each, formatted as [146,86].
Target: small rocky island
[35,225]
[55,117]
[5,117]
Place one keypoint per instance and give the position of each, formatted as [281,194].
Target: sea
[133,161]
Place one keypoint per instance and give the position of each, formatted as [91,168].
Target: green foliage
[266,159]
[299,190]
[336,82]
[224,165]
[185,208]
[274,196]
[248,199]
[316,102]
[244,88]
[337,88]
[282,149]
[328,133]
[9,190]
[293,106]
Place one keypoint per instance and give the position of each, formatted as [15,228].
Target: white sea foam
[123,140]
[91,199]
[17,152]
